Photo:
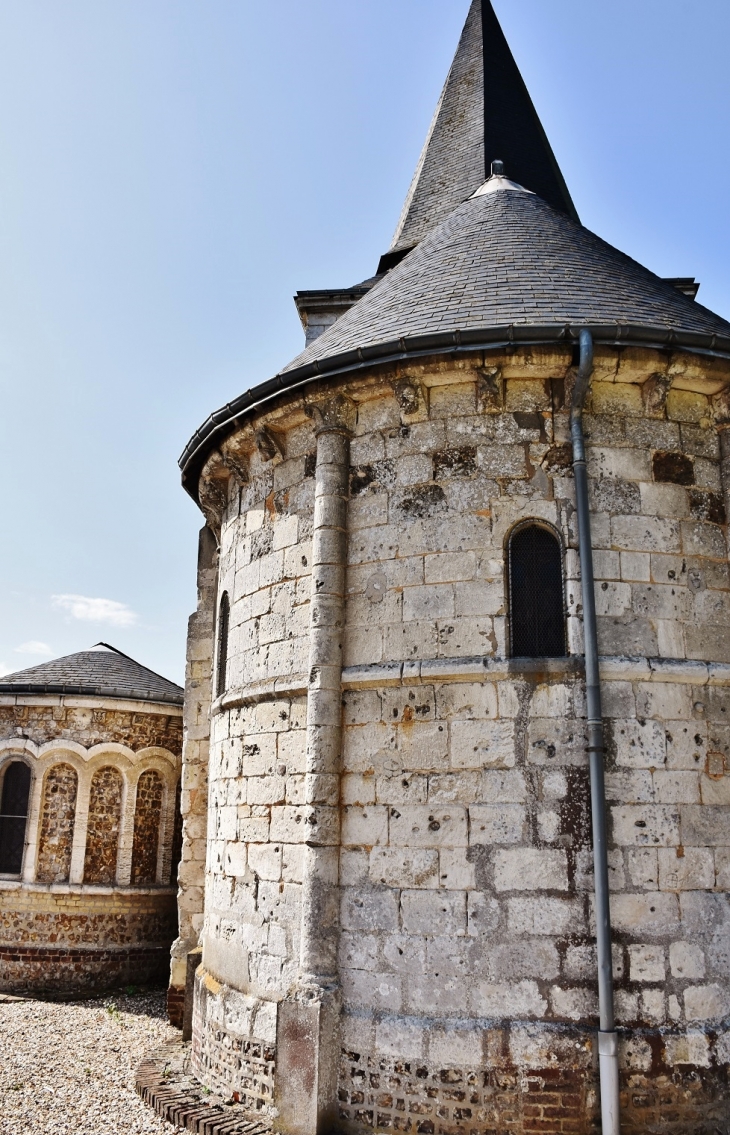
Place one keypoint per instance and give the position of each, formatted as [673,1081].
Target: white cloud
[96,610]
[34,647]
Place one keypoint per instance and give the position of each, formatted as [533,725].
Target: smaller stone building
[90,751]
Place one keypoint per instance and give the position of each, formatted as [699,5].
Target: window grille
[13,817]
[222,661]
[537,611]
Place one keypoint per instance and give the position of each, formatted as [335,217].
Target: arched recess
[536,592]
[58,815]
[14,799]
[177,837]
[103,824]
[147,816]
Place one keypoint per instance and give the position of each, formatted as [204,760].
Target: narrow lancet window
[537,614]
[222,659]
[14,817]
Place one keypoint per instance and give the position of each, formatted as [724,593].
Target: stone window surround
[519,526]
[85,762]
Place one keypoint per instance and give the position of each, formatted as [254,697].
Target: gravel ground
[69,1067]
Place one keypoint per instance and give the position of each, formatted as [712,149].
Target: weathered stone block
[496,823]
[502,1000]
[706,1002]
[652,914]
[522,869]
[645,824]
[482,744]
[647,963]
[546,915]
[394,867]
[639,744]
[428,912]
[428,827]
[524,959]
[704,825]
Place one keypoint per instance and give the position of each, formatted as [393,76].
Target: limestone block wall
[466,952]
[193,800]
[74,919]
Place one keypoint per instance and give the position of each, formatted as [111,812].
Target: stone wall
[79,939]
[466,937]
[90,721]
[194,782]
[57,825]
[105,813]
[72,922]
[147,814]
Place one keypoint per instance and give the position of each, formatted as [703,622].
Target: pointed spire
[485,113]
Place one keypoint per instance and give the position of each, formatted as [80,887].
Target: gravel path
[68,1068]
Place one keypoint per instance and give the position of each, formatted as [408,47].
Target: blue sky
[171,171]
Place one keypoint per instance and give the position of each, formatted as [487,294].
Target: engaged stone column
[307,1032]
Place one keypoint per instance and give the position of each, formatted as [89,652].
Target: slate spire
[485,113]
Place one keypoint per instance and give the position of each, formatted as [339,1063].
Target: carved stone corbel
[721,407]
[214,485]
[235,451]
[408,395]
[270,443]
[490,390]
[654,394]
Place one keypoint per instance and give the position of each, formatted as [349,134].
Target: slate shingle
[505,259]
[103,672]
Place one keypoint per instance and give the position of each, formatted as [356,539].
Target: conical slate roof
[102,671]
[484,113]
[508,264]
[506,258]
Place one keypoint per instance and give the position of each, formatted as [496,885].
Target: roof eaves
[229,416]
[116,692]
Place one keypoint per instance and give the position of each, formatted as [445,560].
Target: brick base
[71,972]
[176,1005]
[165,1084]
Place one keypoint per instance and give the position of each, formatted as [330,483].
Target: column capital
[336,415]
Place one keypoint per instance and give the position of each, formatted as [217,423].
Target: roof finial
[497,169]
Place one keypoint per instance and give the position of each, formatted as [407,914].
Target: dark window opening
[537,616]
[14,817]
[222,661]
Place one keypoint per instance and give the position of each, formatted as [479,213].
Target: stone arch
[147,817]
[58,816]
[103,825]
[536,591]
[15,792]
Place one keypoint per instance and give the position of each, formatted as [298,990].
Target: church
[456,763]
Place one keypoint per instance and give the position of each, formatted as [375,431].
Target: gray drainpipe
[607,1039]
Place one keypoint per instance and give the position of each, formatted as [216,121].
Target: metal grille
[537,616]
[13,817]
[223,620]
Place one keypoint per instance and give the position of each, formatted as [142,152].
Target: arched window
[13,817]
[537,615]
[222,659]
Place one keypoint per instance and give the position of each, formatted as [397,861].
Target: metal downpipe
[607,1038]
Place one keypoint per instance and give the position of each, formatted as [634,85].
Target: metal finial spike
[497,169]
